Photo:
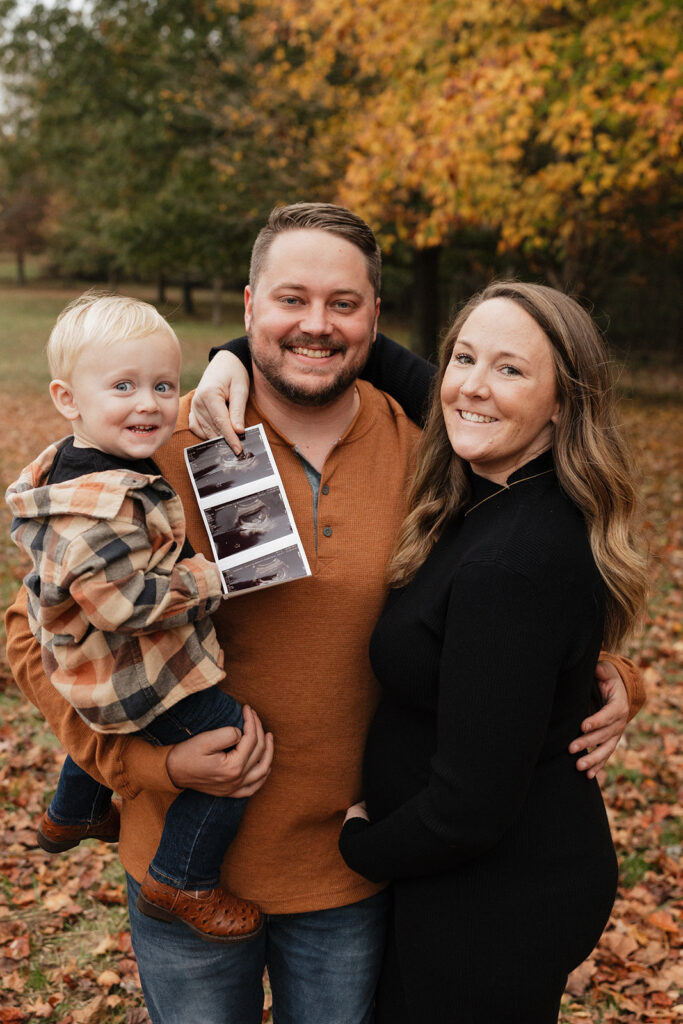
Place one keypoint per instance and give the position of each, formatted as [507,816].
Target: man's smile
[313,353]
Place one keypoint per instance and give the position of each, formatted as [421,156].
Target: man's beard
[345,379]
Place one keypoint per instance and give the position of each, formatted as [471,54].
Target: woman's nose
[475,382]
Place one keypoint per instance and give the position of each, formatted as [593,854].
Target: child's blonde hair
[98,318]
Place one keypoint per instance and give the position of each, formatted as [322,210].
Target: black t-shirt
[72,462]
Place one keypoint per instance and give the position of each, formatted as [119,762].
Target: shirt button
[325,489]
[327,530]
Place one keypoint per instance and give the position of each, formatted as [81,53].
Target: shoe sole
[152,910]
[50,846]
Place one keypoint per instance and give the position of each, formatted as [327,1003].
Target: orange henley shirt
[296,653]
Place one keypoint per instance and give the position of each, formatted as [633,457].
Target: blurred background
[147,141]
[142,145]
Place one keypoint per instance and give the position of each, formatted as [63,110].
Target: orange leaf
[662,919]
[18,949]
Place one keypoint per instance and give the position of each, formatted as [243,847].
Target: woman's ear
[62,395]
[556,413]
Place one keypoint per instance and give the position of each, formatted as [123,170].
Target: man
[298,654]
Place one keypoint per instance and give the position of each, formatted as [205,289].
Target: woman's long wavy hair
[592,459]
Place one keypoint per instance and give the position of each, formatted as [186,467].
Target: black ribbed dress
[500,850]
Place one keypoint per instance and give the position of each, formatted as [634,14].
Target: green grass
[34,269]
[633,868]
[28,315]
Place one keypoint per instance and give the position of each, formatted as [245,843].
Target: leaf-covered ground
[65,952]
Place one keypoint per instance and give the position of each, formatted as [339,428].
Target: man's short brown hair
[337,220]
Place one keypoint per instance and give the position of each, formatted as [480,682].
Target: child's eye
[123,385]
[164,387]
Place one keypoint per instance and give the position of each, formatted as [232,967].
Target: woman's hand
[224,380]
[357,811]
[204,763]
[603,730]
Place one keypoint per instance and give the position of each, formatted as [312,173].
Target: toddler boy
[119,601]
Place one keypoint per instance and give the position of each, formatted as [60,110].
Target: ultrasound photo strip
[248,518]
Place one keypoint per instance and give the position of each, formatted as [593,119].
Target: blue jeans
[198,827]
[322,966]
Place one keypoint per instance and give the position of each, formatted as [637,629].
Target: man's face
[311,317]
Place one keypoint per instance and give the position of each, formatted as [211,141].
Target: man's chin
[313,397]
[314,392]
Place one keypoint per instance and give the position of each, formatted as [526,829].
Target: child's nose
[147,399]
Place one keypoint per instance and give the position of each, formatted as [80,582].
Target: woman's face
[499,393]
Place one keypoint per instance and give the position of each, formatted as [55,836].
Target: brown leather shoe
[213,914]
[56,838]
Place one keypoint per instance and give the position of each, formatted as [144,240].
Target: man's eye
[290,300]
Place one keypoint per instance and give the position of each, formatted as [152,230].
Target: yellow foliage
[544,118]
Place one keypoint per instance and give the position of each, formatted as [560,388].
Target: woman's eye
[511,371]
[463,358]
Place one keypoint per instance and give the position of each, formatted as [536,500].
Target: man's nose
[316,319]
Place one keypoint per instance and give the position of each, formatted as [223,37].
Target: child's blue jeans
[198,827]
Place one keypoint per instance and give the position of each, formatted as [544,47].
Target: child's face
[126,394]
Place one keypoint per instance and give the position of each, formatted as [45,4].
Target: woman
[516,559]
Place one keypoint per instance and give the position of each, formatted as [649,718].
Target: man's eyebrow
[297,287]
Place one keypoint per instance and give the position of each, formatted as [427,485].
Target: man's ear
[62,395]
[247,307]
[378,303]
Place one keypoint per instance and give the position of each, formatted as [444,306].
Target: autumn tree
[549,132]
[554,124]
[24,198]
[139,110]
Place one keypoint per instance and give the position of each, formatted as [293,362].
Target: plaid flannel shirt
[123,626]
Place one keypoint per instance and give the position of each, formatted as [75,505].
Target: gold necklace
[507,487]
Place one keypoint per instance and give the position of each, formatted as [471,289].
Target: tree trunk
[21,267]
[217,305]
[188,303]
[426,320]
[161,288]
